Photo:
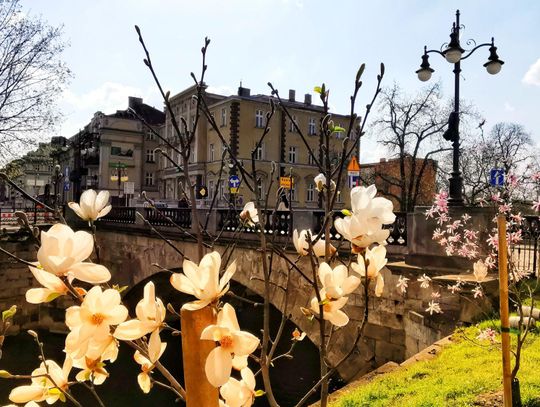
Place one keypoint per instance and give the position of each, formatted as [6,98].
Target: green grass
[455,378]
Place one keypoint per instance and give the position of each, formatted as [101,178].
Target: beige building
[241,120]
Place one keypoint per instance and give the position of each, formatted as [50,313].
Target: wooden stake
[503,306]
[199,392]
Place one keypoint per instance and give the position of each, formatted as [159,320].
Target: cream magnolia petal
[75,207]
[48,280]
[214,333]
[319,248]
[232,393]
[244,343]
[131,330]
[90,272]
[226,277]
[117,315]
[83,246]
[23,394]
[218,366]
[248,377]
[379,286]
[359,267]
[340,274]
[87,201]
[40,295]
[183,284]
[141,360]
[227,318]
[240,362]
[337,318]
[102,200]
[108,299]
[143,379]
[104,212]
[154,347]
[195,305]
[99,378]
[350,284]
[191,270]
[73,316]
[324,271]
[339,303]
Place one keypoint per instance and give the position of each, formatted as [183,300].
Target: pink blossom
[536,205]
[435,295]
[433,307]
[493,241]
[438,234]
[465,217]
[487,334]
[477,291]
[402,284]
[536,176]
[471,234]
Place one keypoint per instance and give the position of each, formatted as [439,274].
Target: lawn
[456,377]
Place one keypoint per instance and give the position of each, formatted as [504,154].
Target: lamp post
[454,54]
[119,175]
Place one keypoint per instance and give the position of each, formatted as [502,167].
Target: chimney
[243,91]
[134,101]
[307,99]
[292,94]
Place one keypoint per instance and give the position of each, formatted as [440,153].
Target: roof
[149,113]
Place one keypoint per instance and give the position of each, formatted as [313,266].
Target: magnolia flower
[249,214]
[402,284]
[91,321]
[369,214]
[375,260]
[487,334]
[239,393]
[331,309]
[92,206]
[336,282]
[62,253]
[203,280]
[433,307]
[53,287]
[93,370]
[155,350]
[477,292]
[297,335]
[302,246]
[424,280]
[150,313]
[320,183]
[233,343]
[44,388]
[480,271]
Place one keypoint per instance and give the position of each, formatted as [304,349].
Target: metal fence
[34,215]
[525,255]
[279,222]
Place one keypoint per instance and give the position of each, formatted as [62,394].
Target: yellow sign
[285,182]
[234,190]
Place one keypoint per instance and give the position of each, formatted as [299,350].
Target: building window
[293,191]
[221,192]
[211,190]
[211,154]
[339,134]
[150,136]
[292,127]
[310,196]
[223,117]
[259,118]
[149,179]
[311,127]
[311,159]
[292,154]
[260,189]
[150,156]
[259,152]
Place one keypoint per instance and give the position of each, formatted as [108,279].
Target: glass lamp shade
[452,55]
[493,67]
[424,74]
[124,178]
[114,178]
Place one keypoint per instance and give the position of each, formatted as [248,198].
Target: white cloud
[508,107]
[224,90]
[532,77]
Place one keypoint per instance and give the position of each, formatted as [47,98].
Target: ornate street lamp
[454,54]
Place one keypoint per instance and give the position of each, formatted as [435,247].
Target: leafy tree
[31,77]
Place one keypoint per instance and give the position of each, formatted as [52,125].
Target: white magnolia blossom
[155,350]
[369,214]
[249,214]
[150,313]
[297,335]
[239,393]
[337,282]
[234,346]
[63,251]
[202,281]
[53,287]
[331,309]
[402,284]
[93,370]
[320,183]
[43,388]
[302,246]
[90,322]
[424,281]
[433,306]
[92,206]
[480,271]
[376,260]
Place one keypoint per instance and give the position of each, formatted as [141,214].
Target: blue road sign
[66,186]
[496,177]
[234,181]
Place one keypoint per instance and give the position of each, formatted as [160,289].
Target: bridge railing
[279,222]
[164,216]
[34,215]
[119,214]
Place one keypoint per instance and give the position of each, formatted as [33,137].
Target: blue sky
[295,44]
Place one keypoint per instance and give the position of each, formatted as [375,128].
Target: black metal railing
[525,254]
[119,214]
[34,216]
[279,222]
[160,217]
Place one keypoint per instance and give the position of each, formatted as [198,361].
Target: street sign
[66,186]
[285,182]
[496,177]
[234,181]
[129,187]
[201,192]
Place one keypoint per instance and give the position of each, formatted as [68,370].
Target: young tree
[31,77]
[409,128]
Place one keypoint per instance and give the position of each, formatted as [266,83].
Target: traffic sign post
[234,183]
[496,177]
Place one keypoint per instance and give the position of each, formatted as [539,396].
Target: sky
[295,44]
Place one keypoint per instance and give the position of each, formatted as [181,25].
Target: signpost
[496,177]
[353,172]
[234,183]
[285,182]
